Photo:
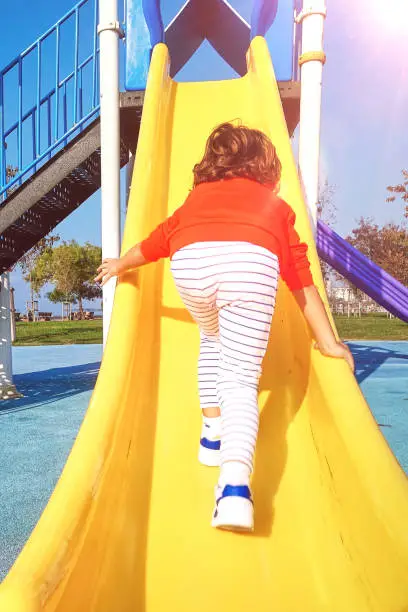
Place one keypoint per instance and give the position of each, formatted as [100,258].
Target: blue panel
[144,29]
[263,15]
[138,48]
[280,34]
[151,9]
[280,40]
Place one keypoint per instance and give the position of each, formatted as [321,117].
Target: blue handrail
[31,133]
[263,15]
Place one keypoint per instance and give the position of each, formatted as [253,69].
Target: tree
[326,208]
[366,237]
[11,172]
[326,212]
[394,239]
[401,190]
[71,268]
[386,246]
[56,297]
[29,260]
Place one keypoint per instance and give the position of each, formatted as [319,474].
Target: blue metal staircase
[49,130]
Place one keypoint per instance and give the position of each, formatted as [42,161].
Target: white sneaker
[210,445]
[234,509]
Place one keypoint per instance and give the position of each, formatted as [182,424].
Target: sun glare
[392,14]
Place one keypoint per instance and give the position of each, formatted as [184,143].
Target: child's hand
[338,350]
[108,269]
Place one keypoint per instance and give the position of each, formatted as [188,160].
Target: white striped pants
[229,289]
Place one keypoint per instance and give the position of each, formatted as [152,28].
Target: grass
[372,327]
[59,332]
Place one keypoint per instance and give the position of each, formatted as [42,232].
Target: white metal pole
[109,32]
[7,389]
[12,316]
[311,61]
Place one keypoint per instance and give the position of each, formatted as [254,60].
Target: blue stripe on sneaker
[236,491]
[211,444]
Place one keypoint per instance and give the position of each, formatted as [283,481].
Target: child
[229,243]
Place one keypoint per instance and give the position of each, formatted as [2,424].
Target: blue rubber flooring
[37,431]
[382,372]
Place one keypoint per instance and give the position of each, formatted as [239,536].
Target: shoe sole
[209,457]
[234,514]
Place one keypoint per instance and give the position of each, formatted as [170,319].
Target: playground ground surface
[38,430]
[368,327]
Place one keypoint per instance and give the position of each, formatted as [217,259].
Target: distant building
[345,294]
[344,300]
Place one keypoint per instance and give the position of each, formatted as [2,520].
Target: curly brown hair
[238,151]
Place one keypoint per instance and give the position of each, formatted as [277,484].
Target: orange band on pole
[312,56]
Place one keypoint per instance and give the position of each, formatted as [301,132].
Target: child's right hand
[107,270]
[338,350]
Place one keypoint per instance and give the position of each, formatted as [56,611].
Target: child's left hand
[338,350]
[107,270]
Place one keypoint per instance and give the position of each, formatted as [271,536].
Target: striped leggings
[229,289]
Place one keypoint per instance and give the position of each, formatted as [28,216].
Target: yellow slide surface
[128,526]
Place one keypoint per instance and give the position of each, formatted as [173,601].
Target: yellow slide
[128,526]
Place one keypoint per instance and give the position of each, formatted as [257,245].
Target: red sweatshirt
[236,209]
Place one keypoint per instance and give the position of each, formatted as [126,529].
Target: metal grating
[64,197]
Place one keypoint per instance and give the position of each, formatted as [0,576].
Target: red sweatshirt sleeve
[295,266]
[156,245]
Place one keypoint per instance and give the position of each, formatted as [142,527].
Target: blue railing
[48,94]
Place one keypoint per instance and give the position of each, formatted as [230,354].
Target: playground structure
[127,527]
[57,165]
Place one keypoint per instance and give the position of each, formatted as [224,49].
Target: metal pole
[12,316]
[109,32]
[311,61]
[7,389]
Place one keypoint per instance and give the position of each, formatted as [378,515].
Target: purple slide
[362,272]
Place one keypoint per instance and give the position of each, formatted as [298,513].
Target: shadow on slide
[128,526]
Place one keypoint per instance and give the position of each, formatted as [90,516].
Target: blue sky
[365,96]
